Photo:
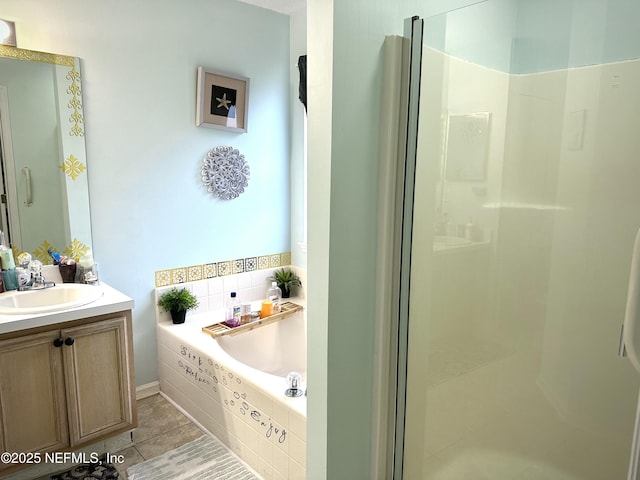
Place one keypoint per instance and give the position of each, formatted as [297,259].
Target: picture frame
[222,100]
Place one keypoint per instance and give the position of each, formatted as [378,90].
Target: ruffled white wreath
[225,172]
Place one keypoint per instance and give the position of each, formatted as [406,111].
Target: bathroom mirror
[45,192]
[467,146]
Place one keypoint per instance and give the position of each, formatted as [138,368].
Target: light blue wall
[481,33]
[149,209]
[525,36]
[558,34]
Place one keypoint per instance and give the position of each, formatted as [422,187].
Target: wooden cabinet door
[33,410]
[99,379]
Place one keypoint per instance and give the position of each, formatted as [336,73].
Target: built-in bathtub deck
[245,408]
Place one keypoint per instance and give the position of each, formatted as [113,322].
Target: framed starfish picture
[222,100]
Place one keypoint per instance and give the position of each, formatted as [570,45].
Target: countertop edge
[111,301]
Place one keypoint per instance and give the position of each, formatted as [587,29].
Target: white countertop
[111,301]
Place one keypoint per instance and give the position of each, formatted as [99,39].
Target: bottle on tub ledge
[232,311]
[275,295]
[266,309]
[245,313]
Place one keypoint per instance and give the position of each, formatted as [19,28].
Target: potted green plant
[177,301]
[286,280]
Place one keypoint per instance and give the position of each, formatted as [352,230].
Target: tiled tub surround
[243,406]
[213,292]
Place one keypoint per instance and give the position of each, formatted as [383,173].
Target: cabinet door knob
[57,342]
[69,341]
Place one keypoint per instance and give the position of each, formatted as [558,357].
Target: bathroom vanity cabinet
[66,385]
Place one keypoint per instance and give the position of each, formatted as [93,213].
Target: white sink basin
[447,241]
[53,299]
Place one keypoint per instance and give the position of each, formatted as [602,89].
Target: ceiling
[282,6]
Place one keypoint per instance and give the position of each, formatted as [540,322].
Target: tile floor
[161,427]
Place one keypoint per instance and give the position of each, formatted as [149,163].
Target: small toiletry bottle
[232,313]
[245,313]
[23,276]
[8,269]
[275,295]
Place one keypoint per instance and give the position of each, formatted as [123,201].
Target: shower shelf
[220,329]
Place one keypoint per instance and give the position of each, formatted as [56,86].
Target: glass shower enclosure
[525,211]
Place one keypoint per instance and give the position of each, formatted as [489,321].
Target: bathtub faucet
[294,380]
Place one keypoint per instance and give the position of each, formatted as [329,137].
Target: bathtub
[276,349]
[234,387]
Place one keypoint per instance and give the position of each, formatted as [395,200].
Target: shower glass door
[527,203]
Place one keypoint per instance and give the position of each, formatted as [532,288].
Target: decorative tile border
[164,278]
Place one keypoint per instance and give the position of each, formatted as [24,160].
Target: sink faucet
[37,281]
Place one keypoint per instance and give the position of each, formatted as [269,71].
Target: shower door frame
[397,183]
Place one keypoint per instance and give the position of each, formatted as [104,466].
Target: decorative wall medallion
[225,172]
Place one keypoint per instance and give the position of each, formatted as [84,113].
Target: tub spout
[294,380]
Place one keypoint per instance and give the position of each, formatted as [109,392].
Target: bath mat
[92,471]
[202,459]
